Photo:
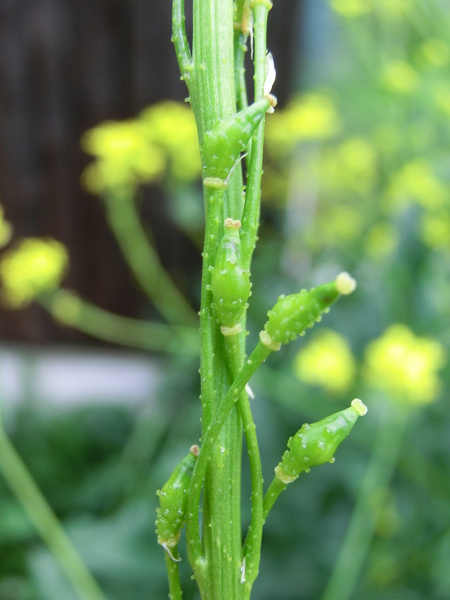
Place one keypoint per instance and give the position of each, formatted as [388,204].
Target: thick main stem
[211,87]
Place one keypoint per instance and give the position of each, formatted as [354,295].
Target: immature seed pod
[222,145]
[230,283]
[293,314]
[316,444]
[173,497]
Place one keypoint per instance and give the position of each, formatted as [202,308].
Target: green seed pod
[316,444]
[230,283]
[222,145]
[173,497]
[293,314]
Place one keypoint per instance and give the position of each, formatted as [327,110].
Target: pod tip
[359,406]
[345,284]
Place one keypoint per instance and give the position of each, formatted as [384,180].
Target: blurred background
[101,229]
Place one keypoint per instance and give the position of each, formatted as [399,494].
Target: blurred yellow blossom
[312,116]
[435,229]
[417,182]
[124,157]
[404,366]
[326,361]
[351,166]
[171,127]
[5,230]
[436,52]
[34,267]
[442,98]
[392,9]
[381,240]
[400,77]
[351,8]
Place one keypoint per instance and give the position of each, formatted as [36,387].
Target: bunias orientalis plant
[230,133]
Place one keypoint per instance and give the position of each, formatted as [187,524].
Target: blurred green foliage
[357,177]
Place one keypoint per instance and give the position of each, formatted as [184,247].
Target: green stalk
[360,532]
[194,545]
[211,88]
[144,261]
[175,592]
[67,308]
[41,515]
[250,218]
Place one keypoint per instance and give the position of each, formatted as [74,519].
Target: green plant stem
[194,545]
[252,546]
[173,575]
[273,491]
[67,308]
[22,484]
[250,217]
[356,544]
[144,262]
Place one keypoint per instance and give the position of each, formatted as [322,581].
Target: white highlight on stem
[271,74]
[249,391]
[359,406]
[345,284]
[243,571]
[268,342]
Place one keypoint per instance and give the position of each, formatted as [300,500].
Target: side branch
[180,41]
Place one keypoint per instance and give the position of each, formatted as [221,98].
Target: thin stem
[180,41]
[22,484]
[173,575]
[356,544]
[257,357]
[250,218]
[274,490]
[144,261]
[67,308]
[252,546]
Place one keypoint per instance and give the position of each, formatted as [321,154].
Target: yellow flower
[35,267]
[311,116]
[436,52]
[416,181]
[404,366]
[326,361]
[400,78]
[125,158]
[171,127]
[351,8]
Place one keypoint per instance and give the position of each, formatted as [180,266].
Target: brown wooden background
[66,65]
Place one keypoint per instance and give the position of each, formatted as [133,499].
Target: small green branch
[173,575]
[67,308]
[144,261]
[180,41]
[274,490]
[260,353]
[22,484]
[250,217]
[360,532]
[252,546]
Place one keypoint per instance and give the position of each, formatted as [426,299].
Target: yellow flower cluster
[326,361]
[34,267]
[404,366]
[312,116]
[386,9]
[162,139]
